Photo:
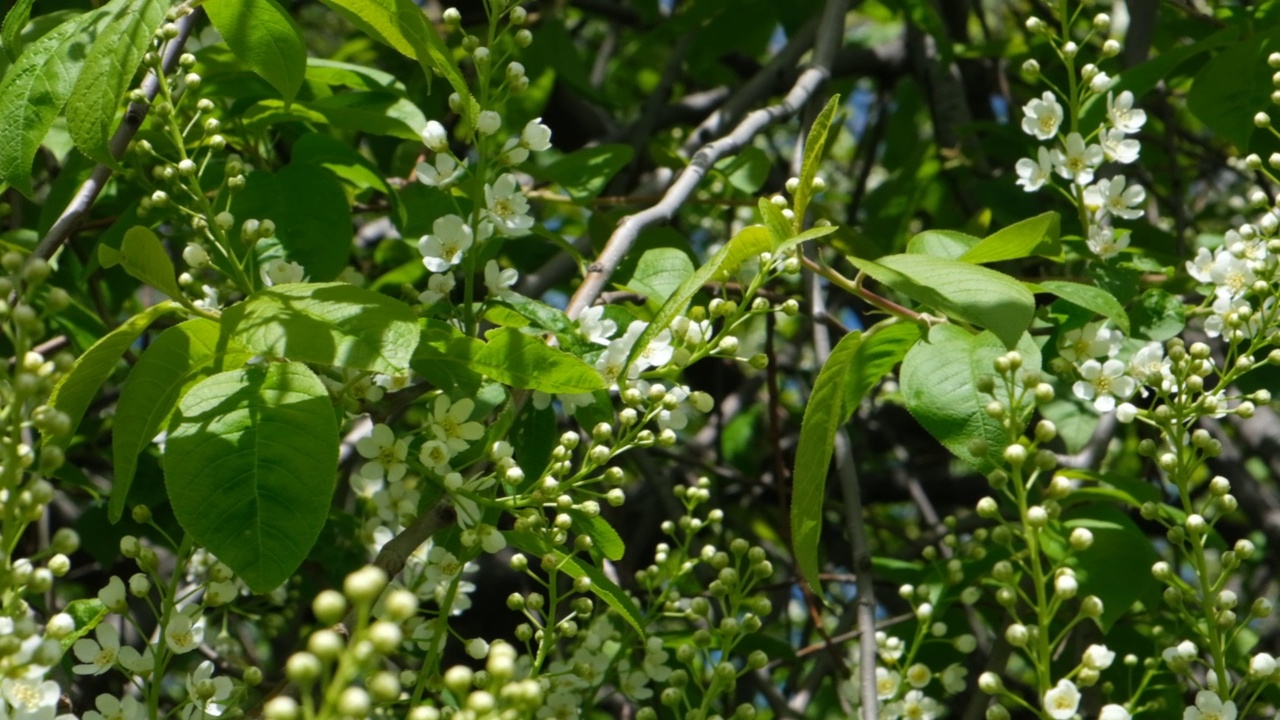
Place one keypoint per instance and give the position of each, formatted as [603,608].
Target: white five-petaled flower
[438,288]
[1098,657]
[442,173]
[1104,241]
[443,249]
[435,455]
[100,656]
[1210,707]
[1118,148]
[449,423]
[513,153]
[491,538]
[918,706]
[498,281]
[1091,341]
[30,698]
[386,457]
[507,206]
[1033,174]
[953,678]
[535,136]
[182,635]
[1123,115]
[1114,712]
[281,272]
[1062,700]
[1042,117]
[1104,383]
[595,327]
[1077,160]
[1149,366]
[111,707]
[887,682]
[1231,276]
[1201,265]
[213,705]
[1111,196]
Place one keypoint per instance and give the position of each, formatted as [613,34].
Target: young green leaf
[11,31]
[77,388]
[327,323]
[35,88]
[251,464]
[1033,236]
[265,38]
[108,74]
[178,358]
[143,256]
[780,228]
[947,244]
[939,381]
[814,145]
[525,361]
[969,293]
[87,614]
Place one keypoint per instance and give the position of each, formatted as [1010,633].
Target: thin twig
[84,198]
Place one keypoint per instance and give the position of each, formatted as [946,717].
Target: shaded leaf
[524,361]
[265,38]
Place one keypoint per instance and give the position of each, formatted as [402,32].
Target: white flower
[113,595]
[507,206]
[887,682]
[1210,707]
[281,272]
[1262,665]
[1113,197]
[438,288]
[489,122]
[1123,115]
[98,657]
[443,173]
[919,675]
[593,325]
[1104,383]
[1126,412]
[469,512]
[1061,700]
[386,457]
[213,705]
[917,706]
[535,135]
[30,698]
[1098,657]
[1033,174]
[657,353]
[1149,366]
[498,281]
[210,299]
[491,538]
[953,678]
[1232,277]
[195,255]
[1105,242]
[443,250]
[1114,712]
[449,423]
[655,659]
[1101,83]
[435,137]
[435,455]
[513,153]
[1077,161]
[1119,148]
[635,685]
[1200,267]
[111,707]
[1042,117]
[182,635]
[1091,341]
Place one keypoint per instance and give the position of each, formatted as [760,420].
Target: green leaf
[539,313]
[1088,297]
[251,465]
[108,74]
[747,244]
[326,323]
[748,170]
[603,588]
[939,379]
[856,364]
[1157,316]
[11,31]
[87,613]
[1033,236]
[339,158]
[378,113]
[814,146]
[265,38]
[35,88]
[584,173]
[350,75]
[969,293]
[1117,566]
[311,213]
[823,415]
[656,266]
[605,539]
[77,388]
[1233,86]
[525,361]
[178,358]
[780,228]
[444,356]
[143,256]
[942,243]
[881,350]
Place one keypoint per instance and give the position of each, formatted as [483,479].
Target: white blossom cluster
[1075,158]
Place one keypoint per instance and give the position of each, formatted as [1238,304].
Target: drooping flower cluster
[1076,158]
